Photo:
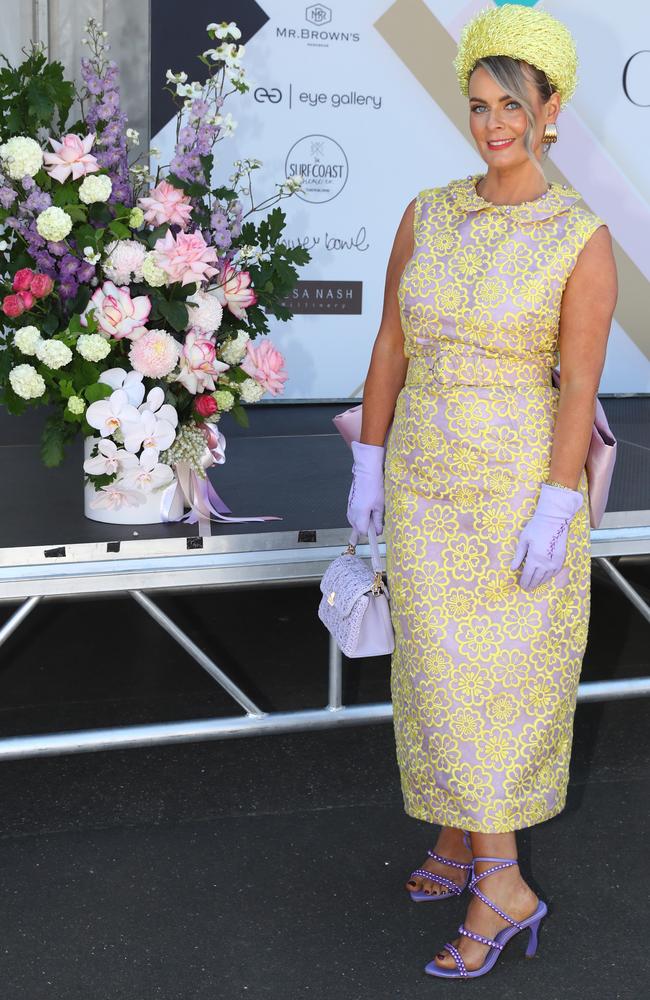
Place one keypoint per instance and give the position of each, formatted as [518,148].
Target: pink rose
[199,363]
[234,291]
[71,156]
[117,314]
[166,204]
[41,285]
[22,279]
[205,405]
[266,365]
[27,299]
[187,258]
[12,306]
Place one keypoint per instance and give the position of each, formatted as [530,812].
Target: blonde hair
[513,75]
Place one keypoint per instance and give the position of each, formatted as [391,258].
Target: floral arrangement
[132,301]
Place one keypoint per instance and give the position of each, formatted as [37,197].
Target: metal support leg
[197,654]
[335,676]
[624,586]
[17,618]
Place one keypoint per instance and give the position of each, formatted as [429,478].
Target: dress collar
[557,199]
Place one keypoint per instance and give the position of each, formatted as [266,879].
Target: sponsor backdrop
[362,100]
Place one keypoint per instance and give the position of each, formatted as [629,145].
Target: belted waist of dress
[451,366]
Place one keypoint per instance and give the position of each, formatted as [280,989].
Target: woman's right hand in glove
[366,499]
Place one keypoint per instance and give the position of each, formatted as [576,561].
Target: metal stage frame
[142,567]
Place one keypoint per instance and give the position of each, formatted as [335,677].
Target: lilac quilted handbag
[354,607]
[601,456]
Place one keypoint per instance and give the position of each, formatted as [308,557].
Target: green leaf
[240,415]
[97,391]
[66,388]
[52,442]
[78,213]
[156,234]
[224,193]
[119,229]
[175,313]
[50,323]
[75,326]
[64,193]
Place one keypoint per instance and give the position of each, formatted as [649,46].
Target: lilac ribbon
[199,493]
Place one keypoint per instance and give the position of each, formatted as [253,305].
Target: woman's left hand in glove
[543,539]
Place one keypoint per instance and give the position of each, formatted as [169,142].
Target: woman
[487,517]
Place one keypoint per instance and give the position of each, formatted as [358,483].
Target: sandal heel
[532,940]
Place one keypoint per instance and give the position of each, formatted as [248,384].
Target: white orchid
[111,414]
[131,382]
[108,461]
[146,473]
[155,402]
[148,433]
[114,496]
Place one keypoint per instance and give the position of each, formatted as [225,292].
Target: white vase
[149,512]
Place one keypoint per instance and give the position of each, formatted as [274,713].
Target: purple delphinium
[104,117]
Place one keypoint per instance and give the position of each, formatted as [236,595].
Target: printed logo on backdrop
[340,297]
[317,98]
[636,78]
[318,15]
[323,165]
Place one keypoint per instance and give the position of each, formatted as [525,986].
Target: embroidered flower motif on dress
[484,674]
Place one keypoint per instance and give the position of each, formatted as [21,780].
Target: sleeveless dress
[484,676]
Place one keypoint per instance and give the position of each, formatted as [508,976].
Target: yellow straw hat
[521,33]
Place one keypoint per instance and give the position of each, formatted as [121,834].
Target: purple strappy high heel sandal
[500,940]
[420,896]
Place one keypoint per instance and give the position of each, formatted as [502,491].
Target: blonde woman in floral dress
[492,279]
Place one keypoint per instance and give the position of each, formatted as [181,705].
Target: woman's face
[498,122]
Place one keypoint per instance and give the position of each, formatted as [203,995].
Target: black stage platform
[290,461]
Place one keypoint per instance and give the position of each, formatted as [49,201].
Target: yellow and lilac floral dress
[484,674]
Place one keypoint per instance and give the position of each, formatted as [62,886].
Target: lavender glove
[543,538]
[366,499]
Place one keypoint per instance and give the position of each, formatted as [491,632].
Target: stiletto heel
[496,944]
[532,940]
[420,896]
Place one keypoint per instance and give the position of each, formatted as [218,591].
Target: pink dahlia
[187,259]
[265,364]
[71,156]
[117,314]
[154,354]
[234,291]
[166,203]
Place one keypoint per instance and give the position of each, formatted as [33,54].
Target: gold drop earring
[550,132]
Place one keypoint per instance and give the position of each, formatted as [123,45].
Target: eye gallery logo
[323,166]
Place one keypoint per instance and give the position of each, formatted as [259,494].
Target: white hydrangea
[21,156]
[53,224]
[93,347]
[124,260]
[95,187]
[251,391]
[27,339]
[26,382]
[54,353]
[224,399]
[76,405]
[233,351]
[205,311]
[152,274]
